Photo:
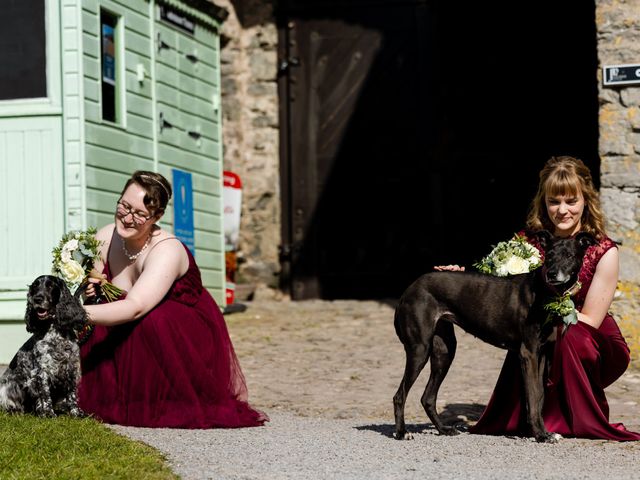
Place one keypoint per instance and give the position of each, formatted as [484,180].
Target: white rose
[70,245]
[72,272]
[516,265]
[501,271]
[65,256]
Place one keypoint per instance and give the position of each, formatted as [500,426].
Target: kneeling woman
[160,356]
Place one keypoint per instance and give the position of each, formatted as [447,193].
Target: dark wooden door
[413,132]
[357,119]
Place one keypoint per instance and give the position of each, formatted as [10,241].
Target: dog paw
[76,412]
[450,431]
[548,438]
[46,413]
[403,436]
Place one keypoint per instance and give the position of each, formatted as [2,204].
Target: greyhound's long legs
[443,351]
[532,376]
[417,356]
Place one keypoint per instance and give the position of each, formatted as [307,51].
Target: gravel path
[293,447]
[326,372]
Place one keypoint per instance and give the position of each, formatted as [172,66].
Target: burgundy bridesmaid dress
[585,361]
[175,367]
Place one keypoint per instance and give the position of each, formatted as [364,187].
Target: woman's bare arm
[603,287]
[163,265]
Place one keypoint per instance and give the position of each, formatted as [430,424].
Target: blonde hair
[566,176]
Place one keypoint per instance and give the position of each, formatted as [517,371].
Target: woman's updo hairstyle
[566,176]
[157,188]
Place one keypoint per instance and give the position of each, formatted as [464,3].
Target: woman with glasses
[160,356]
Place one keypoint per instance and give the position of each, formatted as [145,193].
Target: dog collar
[575,288]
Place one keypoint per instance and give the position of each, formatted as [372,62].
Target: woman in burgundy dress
[160,356]
[591,354]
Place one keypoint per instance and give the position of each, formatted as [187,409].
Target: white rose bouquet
[74,258]
[512,257]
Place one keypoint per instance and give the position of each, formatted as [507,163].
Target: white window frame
[52,103]
[121,70]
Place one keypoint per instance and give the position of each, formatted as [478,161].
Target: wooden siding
[73,113]
[59,147]
[113,151]
[183,92]
[31,182]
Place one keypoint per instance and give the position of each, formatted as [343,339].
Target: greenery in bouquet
[74,258]
[563,307]
[511,257]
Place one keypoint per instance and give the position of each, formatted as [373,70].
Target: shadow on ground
[460,415]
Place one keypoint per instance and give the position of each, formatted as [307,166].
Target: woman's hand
[94,278]
[448,268]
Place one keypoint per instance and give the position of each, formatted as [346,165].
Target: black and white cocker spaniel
[43,376]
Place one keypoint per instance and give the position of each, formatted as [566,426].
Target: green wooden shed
[91,90]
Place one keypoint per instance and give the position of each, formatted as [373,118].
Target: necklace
[134,256]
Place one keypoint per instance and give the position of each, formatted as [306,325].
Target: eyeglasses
[123,210]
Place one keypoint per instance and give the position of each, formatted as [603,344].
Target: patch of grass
[66,448]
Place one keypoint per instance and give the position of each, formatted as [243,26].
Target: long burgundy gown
[585,361]
[176,367]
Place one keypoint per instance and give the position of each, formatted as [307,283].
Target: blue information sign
[183,209]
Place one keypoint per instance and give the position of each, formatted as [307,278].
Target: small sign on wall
[177,19]
[183,209]
[621,74]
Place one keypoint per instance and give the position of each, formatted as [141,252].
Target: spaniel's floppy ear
[29,315]
[70,315]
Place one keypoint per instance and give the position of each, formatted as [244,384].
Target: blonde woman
[592,354]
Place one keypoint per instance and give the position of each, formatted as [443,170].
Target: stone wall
[251,135]
[618,24]
[250,129]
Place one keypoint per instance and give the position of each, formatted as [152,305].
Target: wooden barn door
[412,134]
[353,97]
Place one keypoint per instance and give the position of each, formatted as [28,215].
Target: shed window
[23,73]
[110,64]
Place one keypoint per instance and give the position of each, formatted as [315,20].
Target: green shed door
[189,133]
[31,199]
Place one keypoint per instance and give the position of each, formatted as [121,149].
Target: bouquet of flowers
[562,306]
[73,261]
[512,257]
[517,256]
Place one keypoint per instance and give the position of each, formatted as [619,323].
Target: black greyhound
[506,312]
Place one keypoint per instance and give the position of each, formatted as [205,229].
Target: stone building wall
[250,129]
[251,136]
[618,25]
